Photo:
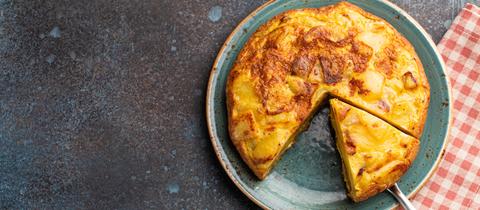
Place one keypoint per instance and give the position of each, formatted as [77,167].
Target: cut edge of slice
[416,133]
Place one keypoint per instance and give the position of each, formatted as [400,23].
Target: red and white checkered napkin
[456,183]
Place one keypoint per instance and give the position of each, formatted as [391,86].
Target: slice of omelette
[374,153]
[292,62]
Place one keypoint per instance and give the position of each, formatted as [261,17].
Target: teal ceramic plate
[309,174]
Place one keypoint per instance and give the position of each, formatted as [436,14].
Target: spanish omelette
[291,63]
[374,153]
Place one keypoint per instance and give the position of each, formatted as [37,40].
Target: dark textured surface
[102,102]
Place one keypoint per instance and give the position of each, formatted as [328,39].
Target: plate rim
[213,72]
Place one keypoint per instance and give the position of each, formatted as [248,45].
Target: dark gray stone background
[102,102]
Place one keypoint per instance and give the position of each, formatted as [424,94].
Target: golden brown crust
[417,131]
[290,63]
[423,117]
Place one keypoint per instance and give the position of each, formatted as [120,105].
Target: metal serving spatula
[401,198]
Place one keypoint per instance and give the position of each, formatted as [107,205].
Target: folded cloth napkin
[456,183]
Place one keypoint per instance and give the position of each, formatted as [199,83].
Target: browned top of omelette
[293,61]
